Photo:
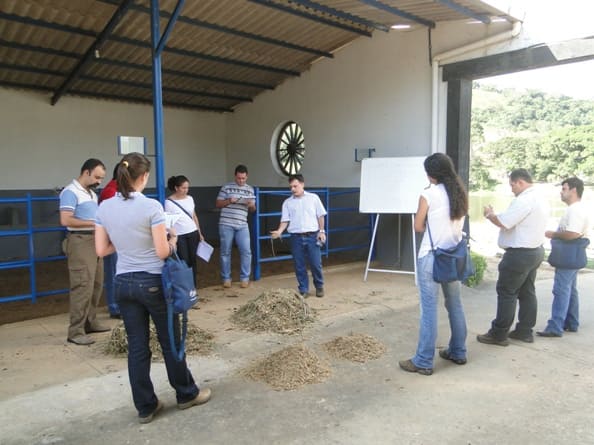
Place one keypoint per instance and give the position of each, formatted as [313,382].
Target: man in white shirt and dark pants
[303,213]
[522,227]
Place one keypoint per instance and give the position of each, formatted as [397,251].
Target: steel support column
[158,43]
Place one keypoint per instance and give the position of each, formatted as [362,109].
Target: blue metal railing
[325,194]
[30,261]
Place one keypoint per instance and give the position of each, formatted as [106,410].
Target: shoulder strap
[183,210]
[429,232]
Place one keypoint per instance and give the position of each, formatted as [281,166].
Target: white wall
[374,93]
[44,146]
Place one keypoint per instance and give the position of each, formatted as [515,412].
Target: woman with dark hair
[440,215]
[187,226]
[134,225]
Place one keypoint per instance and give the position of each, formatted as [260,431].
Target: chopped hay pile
[278,310]
[355,347]
[198,341]
[289,368]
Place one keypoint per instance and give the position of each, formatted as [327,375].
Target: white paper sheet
[204,250]
[171,219]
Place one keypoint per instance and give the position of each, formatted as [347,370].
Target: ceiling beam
[90,54]
[72,55]
[232,31]
[466,11]
[203,56]
[313,17]
[341,14]
[119,98]
[399,12]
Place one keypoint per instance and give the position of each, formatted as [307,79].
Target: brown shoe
[81,340]
[149,418]
[97,327]
[227,284]
[202,397]
[244,284]
[409,366]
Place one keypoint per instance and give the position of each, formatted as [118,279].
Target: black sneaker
[488,339]
[320,292]
[409,366]
[445,354]
[526,338]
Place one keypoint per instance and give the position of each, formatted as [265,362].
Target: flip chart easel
[392,186]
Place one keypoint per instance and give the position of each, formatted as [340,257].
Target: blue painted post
[31,249]
[256,237]
[157,101]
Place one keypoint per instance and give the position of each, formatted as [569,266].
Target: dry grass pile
[289,368]
[198,341]
[278,310]
[355,347]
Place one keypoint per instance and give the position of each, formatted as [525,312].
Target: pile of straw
[289,368]
[198,341]
[355,347]
[283,311]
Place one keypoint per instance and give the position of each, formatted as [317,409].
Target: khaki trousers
[85,269]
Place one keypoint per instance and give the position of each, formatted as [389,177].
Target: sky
[552,21]
[574,80]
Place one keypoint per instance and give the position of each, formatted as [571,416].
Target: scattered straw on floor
[355,347]
[278,310]
[289,368]
[198,341]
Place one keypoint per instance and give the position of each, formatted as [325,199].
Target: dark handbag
[569,254]
[180,295]
[452,264]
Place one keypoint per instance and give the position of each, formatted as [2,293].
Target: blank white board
[392,185]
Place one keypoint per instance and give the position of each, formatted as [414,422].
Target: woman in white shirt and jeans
[443,207]
[134,225]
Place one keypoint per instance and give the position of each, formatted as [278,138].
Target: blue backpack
[180,294]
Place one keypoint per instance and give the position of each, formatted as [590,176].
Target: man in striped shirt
[236,199]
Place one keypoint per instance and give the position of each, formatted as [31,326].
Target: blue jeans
[565,309]
[241,235]
[429,294]
[306,251]
[109,271]
[140,296]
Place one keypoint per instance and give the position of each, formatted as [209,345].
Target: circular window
[290,148]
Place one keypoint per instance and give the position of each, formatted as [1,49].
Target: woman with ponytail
[442,209]
[134,226]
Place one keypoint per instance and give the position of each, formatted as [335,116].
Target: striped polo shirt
[80,201]
[235,215]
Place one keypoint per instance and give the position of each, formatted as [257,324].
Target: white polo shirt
[575,219]
[524,221]
[302,213]
[81,202]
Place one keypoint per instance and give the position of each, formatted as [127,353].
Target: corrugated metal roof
[219,54]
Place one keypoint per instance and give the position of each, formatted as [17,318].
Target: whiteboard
[392,185]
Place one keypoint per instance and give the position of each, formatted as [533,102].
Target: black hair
[115,172]
[440,167]
[91,164]
[132,166]
[241,169]
[575,183]
[176,181]
[520,173]
[298,177]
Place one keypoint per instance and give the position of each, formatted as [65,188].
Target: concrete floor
[540,393]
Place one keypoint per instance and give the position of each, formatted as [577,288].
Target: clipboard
[204,251]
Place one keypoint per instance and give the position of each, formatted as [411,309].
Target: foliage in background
[552,136]
[480,265]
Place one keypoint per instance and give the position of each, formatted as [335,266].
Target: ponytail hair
[131,167]
[176,181]
[440,167]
